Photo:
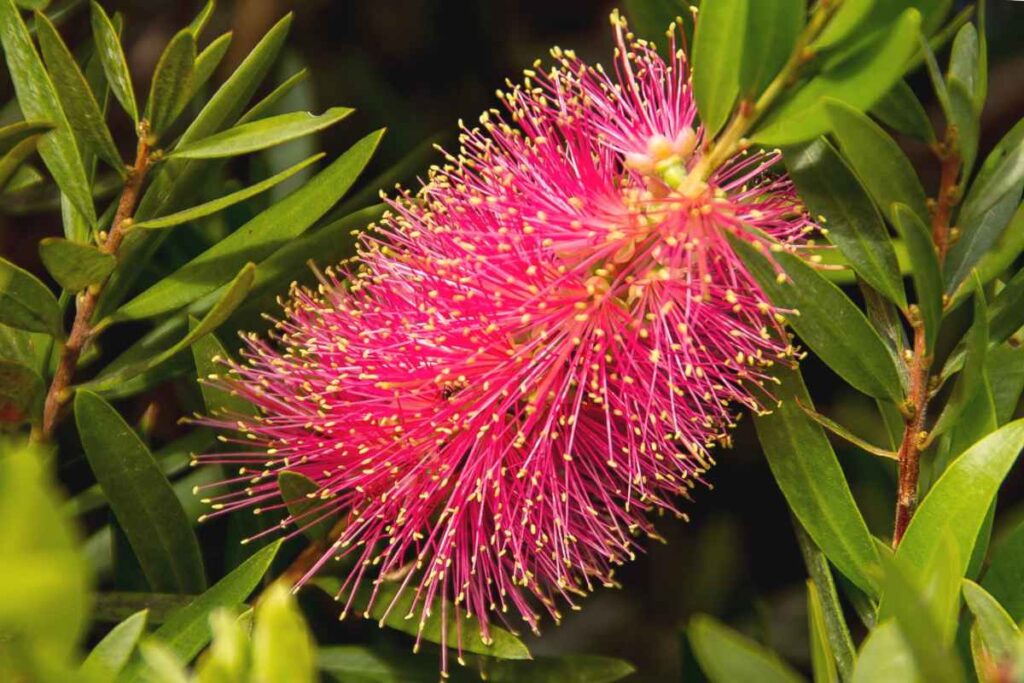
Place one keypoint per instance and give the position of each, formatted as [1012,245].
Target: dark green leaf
[1005,576]
[141,498]
[1007,310]
[255,240]
[827,321]
[999,632]
[282,646]
[806,469]
[650,19]
[965,120]
[13,133]
[1002,171]
[115,66]
[215,205]
[860,80]
[924,269]
[75,266]
[76,97]
[831,190]
[726,656]
[210,358]
[902,111]
[773,27]
[187,631]
[275,96]
[261,134]
[37,99]
[15,157]
[25,302]
[972,381]
[232,298]
[111,654]
[845,434]
[21,393]
[880,164]
[306,505]
[885,656]
[717,56]
[563,669]
[171,88]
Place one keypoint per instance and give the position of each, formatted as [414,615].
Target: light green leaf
[924,268]
[902,111]
[717,56]
[111,654]
[847,18]
[227,658]
[261,134]
[115,66]
[75,266]
[827,321]
[198,24]
[26,303]
[76,97]
[859,80]
[275,96]
[160,663]
[171,88]
[38,99]
[963,58]
[806,469]
[255,240]
[215,205]
[1005,576]
[208,60]
[141,498]
[13,133]
[306,508]
[879,162]
[999,632]
[827,610]
[283,649]
[15,158]
[831,189]
[773,27]
[187,631]
[884,656]
[726,656]
[963,117]
[823,663]
[232,298]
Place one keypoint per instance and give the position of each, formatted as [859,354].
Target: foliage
[179,260]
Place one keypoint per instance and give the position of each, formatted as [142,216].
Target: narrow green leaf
[963,493]
[267,104]
[963,58]
[38,99]
[924,268]
[232,298]
[847,18]
[161,665]
[215,205]
[111,655]
[726,656]
[197,25]
[208,60]
[827,321]
[879,162]
[141,498]
[1007,310]
[115,66]
[965,120]
[13,133]
[228,657]
[26,303]
[305,505]
[823,663]
[255,240]
[845,434]
[210,358]
[21,393]
[860,81]
[171,88]
[76,97]
[832,191]
[972,380]
[261,134]
[650,19]
[75,266]
[902,111]
[885,656]
[283,649]
[15,158]
[187,631]
[717,56]
[773,27]
[1005,576]
[806,469]
[999,632]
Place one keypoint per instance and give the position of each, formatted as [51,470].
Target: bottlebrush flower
[537,350]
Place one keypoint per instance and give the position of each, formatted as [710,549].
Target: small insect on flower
[535,351]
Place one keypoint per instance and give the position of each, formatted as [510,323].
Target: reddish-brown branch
[945,202]
[85,303]
[909,453]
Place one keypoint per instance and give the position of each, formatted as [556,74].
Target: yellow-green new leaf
[111,54]
[111,655]
[73,265]
[171,88]
[76,97]
[283,648]
[999,633]
[261,134]
[221,203]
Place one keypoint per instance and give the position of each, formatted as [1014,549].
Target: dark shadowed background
[417,66]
